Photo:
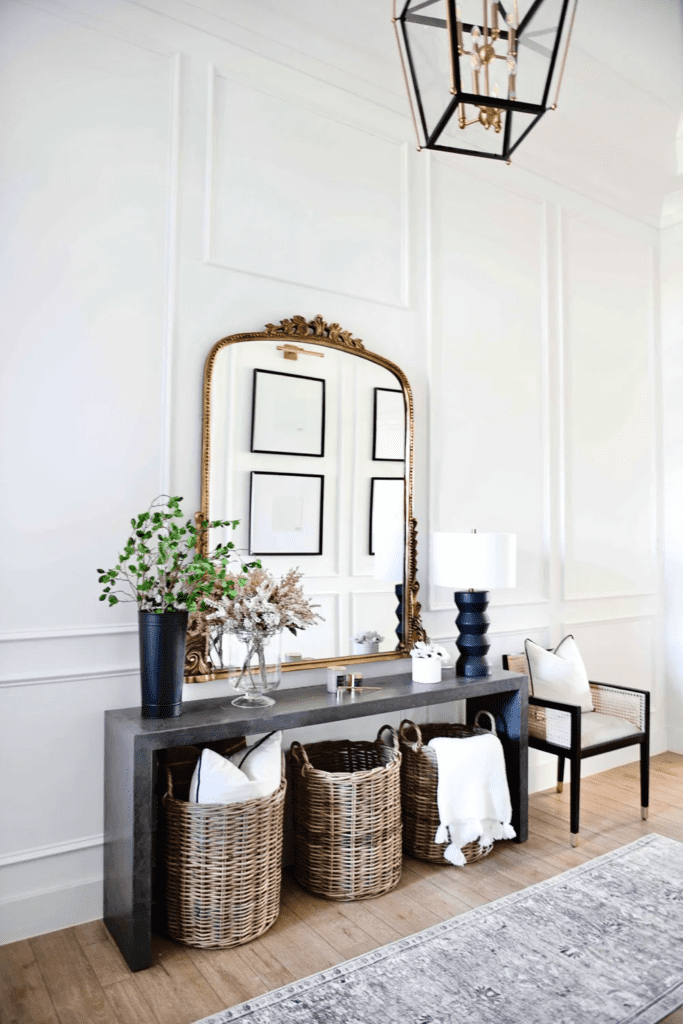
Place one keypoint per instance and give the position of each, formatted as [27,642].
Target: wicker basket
[346,803]
[223,865]
[419,775]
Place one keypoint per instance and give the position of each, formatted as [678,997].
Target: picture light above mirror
[314,457]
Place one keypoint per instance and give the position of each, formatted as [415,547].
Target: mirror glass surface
[310,455]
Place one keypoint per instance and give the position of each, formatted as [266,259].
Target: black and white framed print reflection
[286,514]
[288,414]
[389,426]
[387,505]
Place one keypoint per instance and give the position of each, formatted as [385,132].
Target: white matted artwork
[288,414]
[389,426]
[387,506]
[286,514]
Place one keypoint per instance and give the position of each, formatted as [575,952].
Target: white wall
[154,173]
[672,374]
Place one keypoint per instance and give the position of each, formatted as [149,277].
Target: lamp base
[473,642]
[399,613]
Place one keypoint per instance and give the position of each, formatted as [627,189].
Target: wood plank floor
[77,975]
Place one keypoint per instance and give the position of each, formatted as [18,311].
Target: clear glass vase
[255,659]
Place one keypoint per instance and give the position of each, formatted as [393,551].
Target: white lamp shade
[474,561]
[389,556]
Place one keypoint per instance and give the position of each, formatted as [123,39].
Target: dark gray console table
[131,743]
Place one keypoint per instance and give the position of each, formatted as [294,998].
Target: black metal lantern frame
[498,30]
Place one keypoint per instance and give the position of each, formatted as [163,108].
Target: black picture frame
[375,432]
[373,480]
[319,453]
[316,526]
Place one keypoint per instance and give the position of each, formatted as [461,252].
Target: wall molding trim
[320,110]
[71,677]
[171,274]
[52,850]
[58,633]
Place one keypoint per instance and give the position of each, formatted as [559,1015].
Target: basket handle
[298,752]
[492,721]
[394,736]
[406,724]
[169,783]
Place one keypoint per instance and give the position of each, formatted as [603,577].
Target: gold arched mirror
[307,440]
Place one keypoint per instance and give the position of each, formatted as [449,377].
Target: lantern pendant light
[479,75]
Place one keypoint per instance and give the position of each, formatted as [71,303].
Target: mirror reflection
[308,451]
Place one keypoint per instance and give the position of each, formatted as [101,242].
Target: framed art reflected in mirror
[305,432]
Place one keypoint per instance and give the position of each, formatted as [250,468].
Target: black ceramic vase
[162,662]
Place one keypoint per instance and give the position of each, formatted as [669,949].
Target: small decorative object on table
[366,642]
[428,660]
[163,571]
[336,678]
[253,622]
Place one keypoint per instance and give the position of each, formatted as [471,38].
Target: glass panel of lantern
[510,51]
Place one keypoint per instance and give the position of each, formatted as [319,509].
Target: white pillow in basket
[263,762]
[216,780]
[559,675]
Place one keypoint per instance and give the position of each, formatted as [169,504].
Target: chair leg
[560,774]
[575,797]
[644,778]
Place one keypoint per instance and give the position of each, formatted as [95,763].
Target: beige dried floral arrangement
[262,606]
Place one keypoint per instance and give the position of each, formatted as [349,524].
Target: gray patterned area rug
[599,944]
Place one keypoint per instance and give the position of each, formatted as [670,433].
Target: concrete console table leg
[128,812]
[510,711]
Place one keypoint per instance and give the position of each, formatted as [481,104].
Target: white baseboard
[48,910]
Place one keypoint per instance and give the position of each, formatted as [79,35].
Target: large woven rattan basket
[223,867]
[419,777]
[346,803]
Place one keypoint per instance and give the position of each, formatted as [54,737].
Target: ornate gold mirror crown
[358,390]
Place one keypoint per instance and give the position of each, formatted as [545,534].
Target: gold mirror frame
[198,667]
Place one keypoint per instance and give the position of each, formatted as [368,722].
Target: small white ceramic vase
[372,647]
[426,670]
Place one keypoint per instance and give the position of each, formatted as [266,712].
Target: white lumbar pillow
[559,675]
[216,780]
[263,762]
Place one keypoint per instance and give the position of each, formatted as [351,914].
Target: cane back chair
[563,730]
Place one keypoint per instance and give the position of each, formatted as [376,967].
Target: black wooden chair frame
[575,753]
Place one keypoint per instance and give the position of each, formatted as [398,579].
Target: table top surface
[305,705]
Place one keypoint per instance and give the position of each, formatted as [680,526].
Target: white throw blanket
[472,793]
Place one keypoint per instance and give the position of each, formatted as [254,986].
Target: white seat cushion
[559,675]
[599,728]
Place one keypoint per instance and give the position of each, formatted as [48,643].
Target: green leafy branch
[162,567]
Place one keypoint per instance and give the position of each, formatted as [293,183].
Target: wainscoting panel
[302,197]
[86,190]
[488,427]
[53,751]
[609,488]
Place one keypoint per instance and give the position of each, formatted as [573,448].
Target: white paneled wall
[609,511]
[165,186]
[672,374]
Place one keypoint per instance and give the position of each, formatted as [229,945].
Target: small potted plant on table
[163,569]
